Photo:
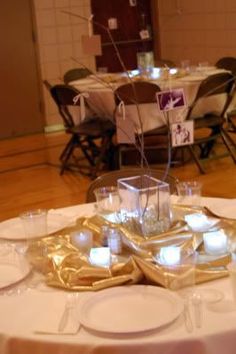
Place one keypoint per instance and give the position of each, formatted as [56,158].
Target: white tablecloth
[101,99]
[20,315]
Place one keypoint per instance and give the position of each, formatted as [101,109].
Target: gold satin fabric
[64,266]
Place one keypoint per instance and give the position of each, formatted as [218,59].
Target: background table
[101,97]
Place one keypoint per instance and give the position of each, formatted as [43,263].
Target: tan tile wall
[59,39]
[202,30]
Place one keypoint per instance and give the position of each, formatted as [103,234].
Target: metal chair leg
[228,141]
[192,152]
[106,141]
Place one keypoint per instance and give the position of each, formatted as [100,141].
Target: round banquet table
[23,313]
[101,98]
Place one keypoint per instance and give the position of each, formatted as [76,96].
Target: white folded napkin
[65,321]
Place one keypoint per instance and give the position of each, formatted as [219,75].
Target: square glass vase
[145,205]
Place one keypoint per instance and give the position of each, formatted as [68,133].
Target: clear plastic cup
[35,223]
[189,193]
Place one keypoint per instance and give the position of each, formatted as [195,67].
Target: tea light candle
[215,242]
[82,239]
[170,255]
[196,221]
[100,256]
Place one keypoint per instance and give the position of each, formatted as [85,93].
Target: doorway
[133,31]
[20,95]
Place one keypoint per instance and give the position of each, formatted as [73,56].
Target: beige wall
[59,39]
[201,30]
[198,30]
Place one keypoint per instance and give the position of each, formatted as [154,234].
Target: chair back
[137,92]
[76,74]
[227,63]
[63,96]
[222,83]
[111,178]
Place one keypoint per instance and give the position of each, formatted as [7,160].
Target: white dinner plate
[224,210]
[13,270]
[130,309]
[13,229]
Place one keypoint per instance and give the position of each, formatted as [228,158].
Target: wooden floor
[41,186]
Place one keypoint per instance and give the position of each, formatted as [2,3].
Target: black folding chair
[136,94]
[217,84]
[93,136]
[229,63]
[76,74]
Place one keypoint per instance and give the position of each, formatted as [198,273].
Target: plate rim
[115,289]
[24,276]
[23,238]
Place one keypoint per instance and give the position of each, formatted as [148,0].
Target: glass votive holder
[100,256]
[203,67]
[82,239]
[170,255]
[215,242]
[34,223]
[189,193]
[178,267]
[185,65]
[199,222]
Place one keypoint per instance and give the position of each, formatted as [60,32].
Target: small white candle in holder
[82,239]
[170,255]
[196,221]
[215,242]
[100,256]
[114,241]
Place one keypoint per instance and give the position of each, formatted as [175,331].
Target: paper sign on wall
[112,23]
[91,45]
[182,133]
[144,34]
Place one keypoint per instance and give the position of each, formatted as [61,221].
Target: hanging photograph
[172,99]
[182,133]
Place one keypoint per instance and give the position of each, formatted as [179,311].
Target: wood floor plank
[43,187]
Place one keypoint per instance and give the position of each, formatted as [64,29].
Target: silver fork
[187,316]
[68,313]
[197,309]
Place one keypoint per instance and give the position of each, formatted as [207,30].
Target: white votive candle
[170,255]
[196,221]
[100,256]
[215,243]
[82,239]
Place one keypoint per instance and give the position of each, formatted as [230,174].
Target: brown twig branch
[140,137]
